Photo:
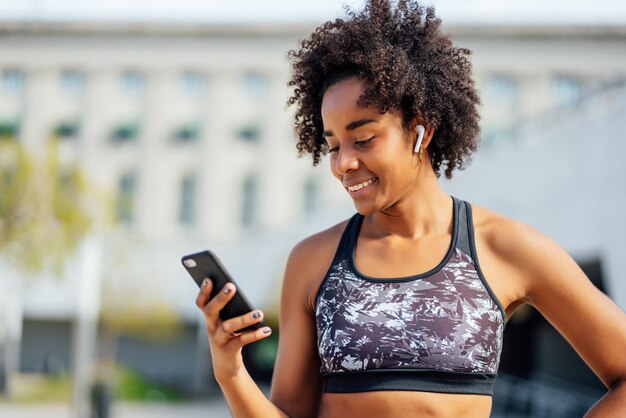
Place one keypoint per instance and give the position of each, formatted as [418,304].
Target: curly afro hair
[410,66]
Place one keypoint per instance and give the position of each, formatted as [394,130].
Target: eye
[365,141]
[333,150]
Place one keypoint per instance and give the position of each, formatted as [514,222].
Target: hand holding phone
[221,298]
[204,265]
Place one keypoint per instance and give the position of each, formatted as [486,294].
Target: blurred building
[182,130]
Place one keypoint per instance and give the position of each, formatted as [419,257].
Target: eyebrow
[352,126]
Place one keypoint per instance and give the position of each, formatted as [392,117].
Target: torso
[379,258]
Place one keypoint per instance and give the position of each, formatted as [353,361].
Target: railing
[601,94]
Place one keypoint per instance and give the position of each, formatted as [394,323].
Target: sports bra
[438,331]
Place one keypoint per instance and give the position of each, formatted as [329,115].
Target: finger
[251,336]
[240,322]
[215,305]
[230,327]
[204,293]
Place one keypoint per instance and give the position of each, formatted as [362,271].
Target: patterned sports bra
[439,331]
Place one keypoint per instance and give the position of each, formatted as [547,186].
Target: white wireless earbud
[420,136]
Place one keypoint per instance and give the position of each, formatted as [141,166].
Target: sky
[611,12]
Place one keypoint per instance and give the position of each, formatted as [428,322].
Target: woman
[390,314]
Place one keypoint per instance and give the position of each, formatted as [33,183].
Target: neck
[425,209]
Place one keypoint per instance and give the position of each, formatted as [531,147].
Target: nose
[346,161]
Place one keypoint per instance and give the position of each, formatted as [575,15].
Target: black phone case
[208,265]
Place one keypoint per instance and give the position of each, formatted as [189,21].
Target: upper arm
[554,284]
[297,383]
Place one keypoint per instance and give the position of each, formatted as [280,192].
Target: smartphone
[206,264]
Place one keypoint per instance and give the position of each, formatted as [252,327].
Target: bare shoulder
[504,235]
[310,259]
[518,249]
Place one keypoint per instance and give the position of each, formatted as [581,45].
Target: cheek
[398,171]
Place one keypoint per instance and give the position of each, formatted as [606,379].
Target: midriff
[404,404]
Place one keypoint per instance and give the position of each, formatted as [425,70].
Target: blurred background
[135,132]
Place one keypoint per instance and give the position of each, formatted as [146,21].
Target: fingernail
[267,330]
[228,290]
[256,315]
[205,283]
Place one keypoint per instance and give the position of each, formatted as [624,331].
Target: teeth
[360,185]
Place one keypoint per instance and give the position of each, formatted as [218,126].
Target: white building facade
[184,135]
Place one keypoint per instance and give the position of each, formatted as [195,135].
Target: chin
[366,208]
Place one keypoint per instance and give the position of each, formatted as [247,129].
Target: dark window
[66,130]
[249,133]
[125,132]
[310,195]
[125,206]
[9,130]
[249,191]
[187,208]
[186,133]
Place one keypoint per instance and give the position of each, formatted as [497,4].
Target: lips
[359,185]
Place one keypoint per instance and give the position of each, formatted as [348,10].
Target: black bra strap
[463,239]
[349,236]
[347,240]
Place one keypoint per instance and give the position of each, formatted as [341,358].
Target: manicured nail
[228,290]
[256,315]
[205,283]
[267,330]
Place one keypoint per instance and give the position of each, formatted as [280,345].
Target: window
[310,195]
[9,129]
[193,83]
[249,201]
[125,132]
[567,90]
[127,184]
[72,82]
[13,80]
[66,130]
[186,133]
[187,208]
[133,82]
[249,133]
[254,85]
[503,90]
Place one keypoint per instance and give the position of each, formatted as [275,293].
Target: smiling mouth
[360,186]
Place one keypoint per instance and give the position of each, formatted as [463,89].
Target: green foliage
[42,208]
[132,301]
[129,385]
[9,130]
[33,388]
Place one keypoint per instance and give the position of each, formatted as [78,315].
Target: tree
[43,218]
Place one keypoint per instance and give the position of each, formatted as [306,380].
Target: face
[370,153]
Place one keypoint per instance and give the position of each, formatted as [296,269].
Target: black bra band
[417,380]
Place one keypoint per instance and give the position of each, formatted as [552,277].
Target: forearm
[246,400]
[613,404]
